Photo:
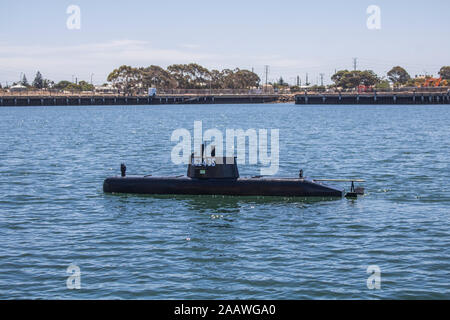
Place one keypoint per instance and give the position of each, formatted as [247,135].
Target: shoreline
[386,98]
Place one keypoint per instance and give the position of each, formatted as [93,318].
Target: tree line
[398,76]
[40,82]
[180,76]
[130,80]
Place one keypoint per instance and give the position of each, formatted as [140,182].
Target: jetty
[374,98]
[304,98]
[81,100]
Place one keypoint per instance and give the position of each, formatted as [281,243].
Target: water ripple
[54,213]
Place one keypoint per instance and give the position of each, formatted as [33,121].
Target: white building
[17,88]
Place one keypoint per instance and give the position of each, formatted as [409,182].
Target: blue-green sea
[53,212]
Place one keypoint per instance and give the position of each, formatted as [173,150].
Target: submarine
[220,176]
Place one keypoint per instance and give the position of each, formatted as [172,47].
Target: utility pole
[307,83]
[355,63]
[266,68]
[91,77]
[321,79]
[298,81]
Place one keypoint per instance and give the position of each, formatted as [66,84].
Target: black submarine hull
[233,187]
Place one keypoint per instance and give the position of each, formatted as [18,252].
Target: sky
[292,37]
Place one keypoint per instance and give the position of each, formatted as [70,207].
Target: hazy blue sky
[293,37]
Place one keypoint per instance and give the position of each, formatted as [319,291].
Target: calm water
[53,212]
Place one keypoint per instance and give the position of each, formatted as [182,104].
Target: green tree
[339,78]
[126,79]
[200,76]
[227,78]
[398,75]
[347,79]
[181,75]
[383,85]
[85,86]
[38,81]
[368,78]
[281,82]
[245,79]
[157,77]
[66,85]
[445,72]
[239,79]
[70,86]
[352,79]
[190,76]
[24,81]
[216,79]
[48,83]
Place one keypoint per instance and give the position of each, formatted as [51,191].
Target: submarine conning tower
[212,167]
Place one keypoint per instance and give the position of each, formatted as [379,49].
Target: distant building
[267,88]
[17,88]
[106,89]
